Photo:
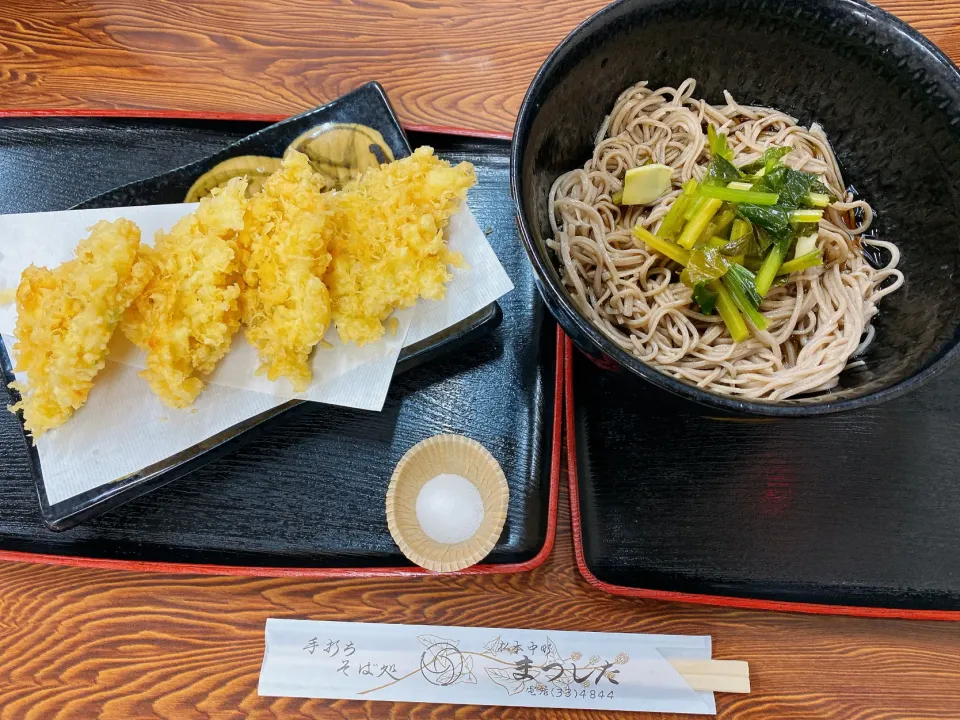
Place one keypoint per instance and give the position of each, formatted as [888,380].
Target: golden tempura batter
[66,317]
[187,315]
[286,306]
[388,248]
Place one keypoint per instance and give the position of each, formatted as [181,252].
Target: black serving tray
[367,105]
[304,492]
[855,513]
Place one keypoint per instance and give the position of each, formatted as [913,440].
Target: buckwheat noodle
[818,321]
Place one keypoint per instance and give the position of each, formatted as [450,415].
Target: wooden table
[89,643]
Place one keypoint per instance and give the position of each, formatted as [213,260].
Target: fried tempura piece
[66,317]
[186,317]
[286,306]
[389,248]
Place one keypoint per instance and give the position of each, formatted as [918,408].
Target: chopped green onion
[818,199]
[698,223]
[674,217]
[664,247]
[617,197]
[728,311]
[805,216]
[729,194]
[740,282]
[811,259]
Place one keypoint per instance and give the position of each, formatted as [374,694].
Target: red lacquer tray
[644,529]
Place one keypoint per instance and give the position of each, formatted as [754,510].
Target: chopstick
[732,676]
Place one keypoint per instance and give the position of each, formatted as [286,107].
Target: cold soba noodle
[817,318]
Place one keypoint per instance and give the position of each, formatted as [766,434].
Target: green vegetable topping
[720,224]
[728,311]
[743,291]
[718,144]
[806,244]
[765,163]
[698,223]
[793,186]
[721,172]
[741,239]
[771,264]
[673,220]
[774,219]
[737,222]
[705,263]
[664,247]
[811,259]
[805,216]
[729,194]
[694,207]
[705,298]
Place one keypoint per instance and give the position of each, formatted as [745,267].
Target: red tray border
[702,599]
[267,571]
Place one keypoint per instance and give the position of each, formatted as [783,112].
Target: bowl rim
[557,299]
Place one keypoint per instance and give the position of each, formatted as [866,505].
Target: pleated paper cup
[426,460]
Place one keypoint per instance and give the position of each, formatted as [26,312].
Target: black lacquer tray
[303,492]
[856,513]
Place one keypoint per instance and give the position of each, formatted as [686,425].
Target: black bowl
[888,99]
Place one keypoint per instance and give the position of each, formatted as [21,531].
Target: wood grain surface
[462,63]
[80,643]
[88,643]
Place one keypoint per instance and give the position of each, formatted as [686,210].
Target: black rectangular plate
[367,105]
[305,490]
[857,512]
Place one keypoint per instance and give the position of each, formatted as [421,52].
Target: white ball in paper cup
[447,503]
